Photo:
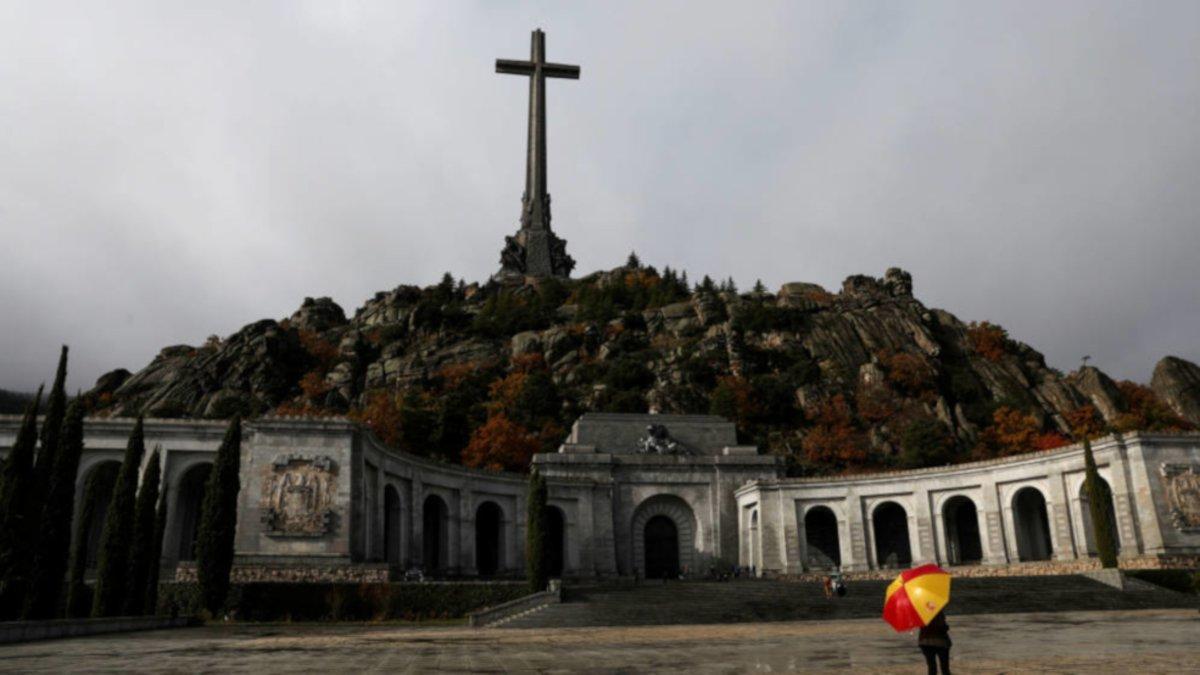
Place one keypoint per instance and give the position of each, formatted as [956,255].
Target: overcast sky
[170,172]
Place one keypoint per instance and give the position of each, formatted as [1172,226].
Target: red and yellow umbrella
[916,596]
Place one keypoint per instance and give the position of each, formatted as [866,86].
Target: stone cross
[535,250]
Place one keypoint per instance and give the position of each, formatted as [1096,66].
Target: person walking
[934,641]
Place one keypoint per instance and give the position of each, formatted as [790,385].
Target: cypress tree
[1098,500]
[535,533]
[16,507]
[154,562]
[52,425]
[54,540]
[97,490]
[112,570]
[218,521]
[143,538]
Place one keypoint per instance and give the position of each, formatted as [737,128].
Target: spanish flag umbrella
[916,596]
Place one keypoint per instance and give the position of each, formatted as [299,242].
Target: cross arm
[560,70]
[514,67]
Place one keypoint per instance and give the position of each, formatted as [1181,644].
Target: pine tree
[144,534]
[112,569]
[97,490]
[1098,500]
[218,521]
[535,533]
[633,262]
[17,526]
[54,540]
[52,425]
[154,562]
[759,288]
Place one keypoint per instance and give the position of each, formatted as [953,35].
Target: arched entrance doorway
[890,526]
[821,538]
[646,528]
[1032,525]
[1085,505]
[434,537]
[188,506]
[391,525]
[556,541]
[963,546]
[662,548]
[97,493]
[488,536]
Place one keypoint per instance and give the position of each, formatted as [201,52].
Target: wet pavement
[1159,641]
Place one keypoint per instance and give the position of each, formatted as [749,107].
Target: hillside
[867,377]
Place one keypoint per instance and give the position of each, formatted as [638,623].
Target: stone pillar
[858,558]
[991,526]
[1059,513]
[466,534]
[416,551]
[1143,478]
[922,518]
[454,528]
[605,553]
[792,535]
[587,534]
[1123,506]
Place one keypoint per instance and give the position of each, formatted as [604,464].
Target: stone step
[694,602]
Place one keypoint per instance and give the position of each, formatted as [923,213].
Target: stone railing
[491,615]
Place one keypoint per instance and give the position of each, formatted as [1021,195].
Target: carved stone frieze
[298,494]
[1182,485]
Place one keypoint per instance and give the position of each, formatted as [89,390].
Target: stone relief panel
[298,494]
[1181,482]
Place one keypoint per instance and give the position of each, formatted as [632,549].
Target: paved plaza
[1160,641]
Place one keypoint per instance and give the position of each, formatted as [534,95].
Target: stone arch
[1031,524]
[681,516]
[99,482]
[822,545]
[189,500]
[435,532]
[961,520]
[889,526]
[489,539]
[1085,506]
[556,541]
[391,524]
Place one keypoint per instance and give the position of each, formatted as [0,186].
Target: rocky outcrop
[1177,382]
[888,356]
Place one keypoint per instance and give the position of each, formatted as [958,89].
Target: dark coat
[936,634]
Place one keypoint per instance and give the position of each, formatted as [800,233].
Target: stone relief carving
[658,441]
[297,496]
[1182,484]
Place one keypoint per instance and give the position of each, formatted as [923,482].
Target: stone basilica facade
[647,495]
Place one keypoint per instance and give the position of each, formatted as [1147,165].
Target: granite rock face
[872,343]
[1177,382]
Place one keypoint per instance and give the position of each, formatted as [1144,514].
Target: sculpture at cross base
[535,250]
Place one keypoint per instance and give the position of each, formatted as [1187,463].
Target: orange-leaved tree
[501,445]
[833,441]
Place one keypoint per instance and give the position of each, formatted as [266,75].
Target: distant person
[828,584]
[934,641]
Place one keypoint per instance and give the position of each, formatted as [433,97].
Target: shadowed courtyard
[1099,642]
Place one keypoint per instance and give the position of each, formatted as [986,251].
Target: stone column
[926,548]
[1060,518]
[416,551]
[605,554]
[1143,478]
[992,529]
[858,558]
[791,535]
[454,530]
[1123,506]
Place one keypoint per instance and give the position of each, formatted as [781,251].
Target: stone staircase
[701,602]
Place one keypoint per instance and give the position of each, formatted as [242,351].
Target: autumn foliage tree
[501,445]
[1144,411]
[833,440]
[988,340]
